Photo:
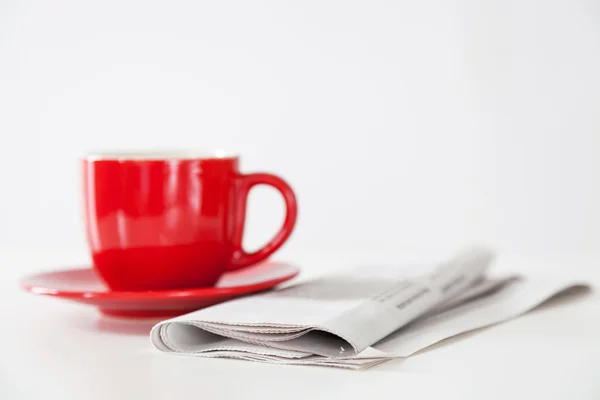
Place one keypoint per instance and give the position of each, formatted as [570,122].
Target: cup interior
[160,154]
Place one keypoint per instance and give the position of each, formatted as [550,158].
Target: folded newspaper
[358,318]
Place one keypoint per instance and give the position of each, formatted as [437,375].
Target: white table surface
[53,349]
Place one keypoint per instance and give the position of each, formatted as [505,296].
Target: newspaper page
[355,319]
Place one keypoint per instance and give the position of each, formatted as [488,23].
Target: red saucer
[84,286]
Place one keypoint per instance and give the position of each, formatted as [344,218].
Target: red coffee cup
[167,220]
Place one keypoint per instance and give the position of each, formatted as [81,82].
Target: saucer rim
[110,294]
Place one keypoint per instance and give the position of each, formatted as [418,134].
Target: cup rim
[160,154]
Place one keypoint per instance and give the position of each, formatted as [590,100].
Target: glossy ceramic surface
[169,223]
[85,286]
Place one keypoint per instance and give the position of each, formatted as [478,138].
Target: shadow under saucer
[126,326]
[111,325]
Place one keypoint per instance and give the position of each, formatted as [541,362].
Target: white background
[407,128]
[404,126]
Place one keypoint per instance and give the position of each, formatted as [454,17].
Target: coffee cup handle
[241,258]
